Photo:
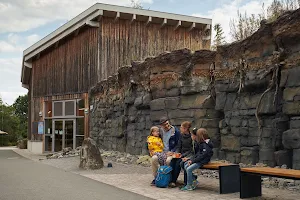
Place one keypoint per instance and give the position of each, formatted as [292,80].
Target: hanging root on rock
[274,83]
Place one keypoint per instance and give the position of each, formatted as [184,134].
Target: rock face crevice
[246,94]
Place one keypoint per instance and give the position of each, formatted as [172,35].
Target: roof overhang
[91,16]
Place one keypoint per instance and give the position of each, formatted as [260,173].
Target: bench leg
[229,177]
[250,185]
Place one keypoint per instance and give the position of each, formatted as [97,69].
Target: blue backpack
[163,176]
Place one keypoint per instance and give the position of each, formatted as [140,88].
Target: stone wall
[246,94]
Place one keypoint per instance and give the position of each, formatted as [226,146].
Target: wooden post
[86,116]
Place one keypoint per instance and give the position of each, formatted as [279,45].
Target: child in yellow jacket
[156,145]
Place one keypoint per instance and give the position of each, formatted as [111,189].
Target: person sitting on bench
[203,152]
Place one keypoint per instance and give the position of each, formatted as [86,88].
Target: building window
[58,109]
[69,108]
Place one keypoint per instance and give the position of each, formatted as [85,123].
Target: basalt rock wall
[246,94]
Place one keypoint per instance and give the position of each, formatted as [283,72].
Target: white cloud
[10,76]
[14,44]
[23,15]
[228,10]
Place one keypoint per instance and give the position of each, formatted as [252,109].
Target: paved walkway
[136,179]
[24,179]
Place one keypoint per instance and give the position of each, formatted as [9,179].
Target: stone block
[267,106]
[291,108]
[295,123]
[172,102]
[138,102]
[235,122]
[231,97]
[233,157]
[156,94]
[188,90]
[293,79]
[220,100]
[222,155]
[266,154]
[174,92]
[193,101]
[249,155]
[178,121]
[284,77]
[283,157]
[249,101]
[173,114]
[212,113]
[225,131]
[230,143]
[238,131]
[249,141]
[156,115]
[158,104]
[146,100]
[210,123]
[222,124]
[290,93]
[200,113]
[131,111]
[291,139]
[216,153]
[296,155]
[253,123]
[129,100]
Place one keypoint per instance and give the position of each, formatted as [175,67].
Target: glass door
[69,133]
[58,127]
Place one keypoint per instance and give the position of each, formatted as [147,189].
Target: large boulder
[90,157]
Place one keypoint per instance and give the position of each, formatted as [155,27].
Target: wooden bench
[229,176]
[250,180]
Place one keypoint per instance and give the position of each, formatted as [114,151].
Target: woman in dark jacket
[184,147]
[203,152]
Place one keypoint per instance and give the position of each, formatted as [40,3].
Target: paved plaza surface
[137,179]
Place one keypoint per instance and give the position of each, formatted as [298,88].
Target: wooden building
[59,69]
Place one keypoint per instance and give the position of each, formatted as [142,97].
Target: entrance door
[58,127]
[69,133]
[63,134]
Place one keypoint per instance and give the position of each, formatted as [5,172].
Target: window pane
[69,108]
[80,107]
[58,111]
[48,108]
[80,126]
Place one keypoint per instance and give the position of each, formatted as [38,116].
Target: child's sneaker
[187,188]
[153,183]
[195,183]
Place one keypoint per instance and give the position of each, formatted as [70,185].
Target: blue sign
[41,128]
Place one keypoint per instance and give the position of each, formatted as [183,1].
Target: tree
[136,4]
[219,37]
[245,25]
[21,111]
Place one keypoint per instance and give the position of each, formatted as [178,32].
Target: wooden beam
[86,115]
[38,56]
[117,17]
[206,37]
[28,64]
[164,23]
[177,25]
[133,18]
[93,24]
[149,20]
[56,44]
[192,26]
[207,27]
[76,32]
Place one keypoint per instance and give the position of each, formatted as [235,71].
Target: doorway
[63,134]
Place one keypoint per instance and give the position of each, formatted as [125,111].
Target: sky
[24,22]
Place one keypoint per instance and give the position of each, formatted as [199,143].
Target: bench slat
[214,165]
[289,173]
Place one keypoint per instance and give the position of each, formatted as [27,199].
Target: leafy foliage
[219,37]
[13,120]
[245,25]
